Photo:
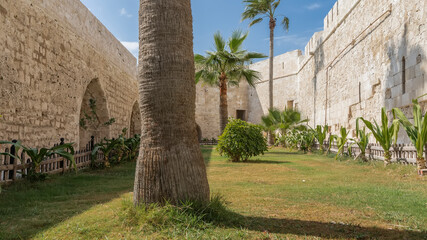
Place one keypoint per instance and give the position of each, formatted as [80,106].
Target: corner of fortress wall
[353,67]
[50,52]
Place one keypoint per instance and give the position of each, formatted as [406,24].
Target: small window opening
[360,92]
[290,105]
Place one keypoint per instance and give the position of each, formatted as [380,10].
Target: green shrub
[300,139]
[241,140]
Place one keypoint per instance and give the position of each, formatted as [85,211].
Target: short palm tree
[283,120]
[226,66]
[386,136]
[256,11]
[417,131]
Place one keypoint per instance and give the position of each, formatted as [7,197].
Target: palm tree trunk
[387,158]
[421,163]
[170,165]
[223,103]
[270,78]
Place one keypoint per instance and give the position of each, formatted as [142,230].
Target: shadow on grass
[322,229]
[207,153]
[27,209]
[259,161]
[287,152]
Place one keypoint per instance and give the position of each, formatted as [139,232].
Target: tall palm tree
[256,11]
[170,166]
[226,66]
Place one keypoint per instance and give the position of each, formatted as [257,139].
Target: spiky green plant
[331,139]
[106,146]
[37,156]
[341,141]
[17,147]
[386,136]
[320,135]
[362,142]
[416,131]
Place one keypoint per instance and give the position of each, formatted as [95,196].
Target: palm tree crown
[227,64]
[257,10]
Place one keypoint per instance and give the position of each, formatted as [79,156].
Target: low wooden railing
[208,142]
[12,168]
[401,153]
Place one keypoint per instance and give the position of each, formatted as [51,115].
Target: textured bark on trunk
[387,158]
[270,79]
[421,163]
[223,103]
[170,165]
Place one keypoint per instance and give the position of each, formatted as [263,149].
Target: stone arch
[199,132]
[92,123]
[135,120]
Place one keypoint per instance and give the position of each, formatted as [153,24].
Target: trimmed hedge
[241,140]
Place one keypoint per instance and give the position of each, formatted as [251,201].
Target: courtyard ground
[281,195]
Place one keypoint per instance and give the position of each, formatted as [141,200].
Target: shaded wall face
[45,66]
[207,107]
[93,115]
[135,121]
[355,65]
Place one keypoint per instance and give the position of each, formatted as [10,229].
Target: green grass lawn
[281,195]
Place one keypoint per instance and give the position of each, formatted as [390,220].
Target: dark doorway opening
[241,114]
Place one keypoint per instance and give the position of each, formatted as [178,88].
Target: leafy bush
[281,123]
[241,140]
[116,150]
[300,139]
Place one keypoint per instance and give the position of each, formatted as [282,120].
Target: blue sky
[210,16]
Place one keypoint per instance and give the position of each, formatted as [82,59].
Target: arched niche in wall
[199,132]
[135,120]
[94,116]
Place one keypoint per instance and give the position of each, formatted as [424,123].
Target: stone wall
[354,67]
[50,51]
[207,107]
[55,55]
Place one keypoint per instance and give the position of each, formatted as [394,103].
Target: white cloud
[123,12]
[133,47]
[313,6]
